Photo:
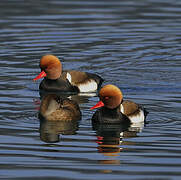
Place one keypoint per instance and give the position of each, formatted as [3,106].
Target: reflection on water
[81,98]
[132,44]
[58,115]
[50,131]
[109,142]
[111,138]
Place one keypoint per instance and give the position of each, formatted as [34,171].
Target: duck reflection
[80,98]
[50,130]
[58,115]
[110,138]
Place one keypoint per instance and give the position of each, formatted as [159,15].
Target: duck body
[84,81]
[109,116]
[70,80]
[114,109]
[55,108]
[135,112]
[57,85]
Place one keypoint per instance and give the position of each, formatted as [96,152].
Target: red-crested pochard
[115,109]
[56,108]
[65,81]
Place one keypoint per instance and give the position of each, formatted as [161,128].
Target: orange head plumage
[50,66]
[110,97]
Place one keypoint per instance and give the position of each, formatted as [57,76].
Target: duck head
[50,66]
[110,97]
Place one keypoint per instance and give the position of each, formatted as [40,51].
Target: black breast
[59,85]
[109,116]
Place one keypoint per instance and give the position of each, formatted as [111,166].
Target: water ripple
[134,45]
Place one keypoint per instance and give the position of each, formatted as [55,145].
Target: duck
[55,79]
[55,108]
[113,109]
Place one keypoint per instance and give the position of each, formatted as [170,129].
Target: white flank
[121,135]
[136,127]
[137,118]
[89,86]
[69,77]
[89,94]
[122,108]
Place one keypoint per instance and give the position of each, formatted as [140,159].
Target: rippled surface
[133,44]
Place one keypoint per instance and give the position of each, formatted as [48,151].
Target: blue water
[132,44]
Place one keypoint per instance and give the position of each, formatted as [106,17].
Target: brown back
[130,107]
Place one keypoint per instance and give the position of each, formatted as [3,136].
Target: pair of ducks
[113,109]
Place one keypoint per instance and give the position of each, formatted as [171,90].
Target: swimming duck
[114,109]
[55,108]
[65,81]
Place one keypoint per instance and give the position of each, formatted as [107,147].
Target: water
[132,44]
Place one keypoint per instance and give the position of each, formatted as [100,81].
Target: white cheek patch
[89,86]
[69,77]
[137,118]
